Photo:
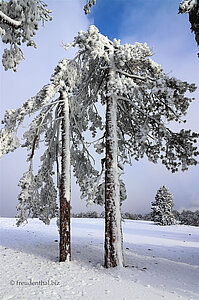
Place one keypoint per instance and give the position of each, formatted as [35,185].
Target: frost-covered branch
[19,21]
[67,76]
[187,5]
[14,118]
[8,20]
[146,104]
[130,75]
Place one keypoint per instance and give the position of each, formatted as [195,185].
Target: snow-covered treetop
[19,20]
[147,99]
[163,194]
[94,45]
[162,207]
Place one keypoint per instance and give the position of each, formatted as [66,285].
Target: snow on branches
[39,194]
[140,100]
[8,141]
[147,99]
[187,5]
[19,20]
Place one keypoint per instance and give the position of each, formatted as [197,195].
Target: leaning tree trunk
[65,184]
[113,228]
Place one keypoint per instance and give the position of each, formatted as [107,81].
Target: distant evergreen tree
[147,217]
[188,217]
[176,216]
[162,207]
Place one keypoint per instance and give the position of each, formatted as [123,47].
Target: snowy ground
[161,262]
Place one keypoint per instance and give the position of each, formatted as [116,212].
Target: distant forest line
[186,217]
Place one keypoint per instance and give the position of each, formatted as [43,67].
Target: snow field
[160,262]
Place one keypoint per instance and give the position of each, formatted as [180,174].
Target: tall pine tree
[140,100]
[58,125]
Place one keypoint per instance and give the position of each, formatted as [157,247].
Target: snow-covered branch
[19,21]
[140,110]
[6,19]
[187,5]
[131,75]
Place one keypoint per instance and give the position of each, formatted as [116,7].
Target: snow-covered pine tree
[162,208]
[140,100]
[60,123]
[19,20]
[192,8]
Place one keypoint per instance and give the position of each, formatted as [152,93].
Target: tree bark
[65,184]
[113,228]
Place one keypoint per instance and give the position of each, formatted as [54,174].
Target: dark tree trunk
[113,229]
[194,20]
[65,239]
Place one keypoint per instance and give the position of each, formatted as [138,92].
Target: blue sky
[153,21]
[120,18]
